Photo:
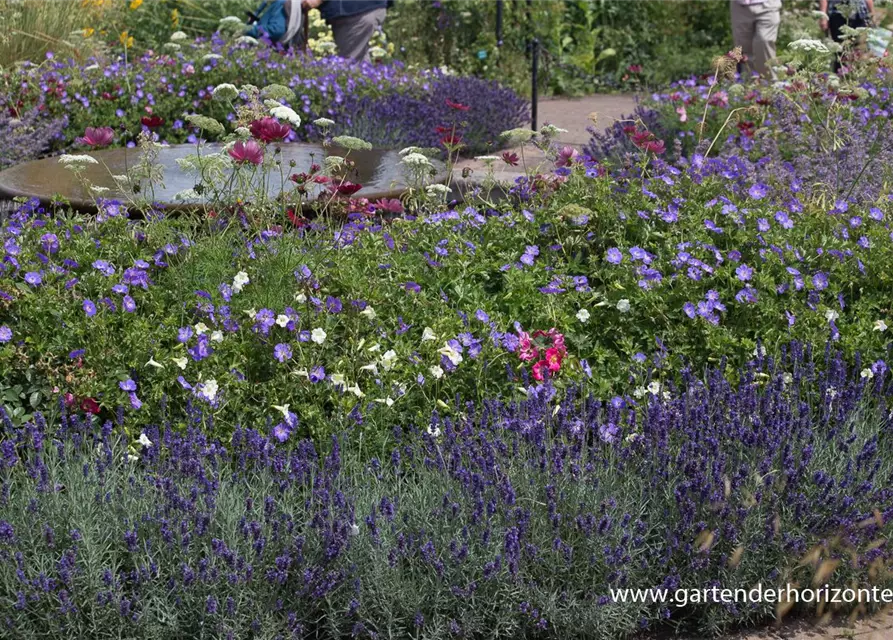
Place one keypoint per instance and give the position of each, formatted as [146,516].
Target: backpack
[272,19]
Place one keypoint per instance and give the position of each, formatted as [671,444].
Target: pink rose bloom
[247,151]
[553,359]
[539,370]
[98,137]
[527,351]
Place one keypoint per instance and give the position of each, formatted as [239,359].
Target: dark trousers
[835,24]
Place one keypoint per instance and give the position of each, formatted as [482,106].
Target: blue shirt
[273,20]
[332,9]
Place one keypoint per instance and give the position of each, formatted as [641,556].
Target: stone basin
[377,170]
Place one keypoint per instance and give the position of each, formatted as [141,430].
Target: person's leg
[352,33]
[766,33]
[743,34]
[835,24]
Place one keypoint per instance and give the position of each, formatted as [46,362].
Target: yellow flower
[126,39]
[88,32]
[135,4]
[175,18]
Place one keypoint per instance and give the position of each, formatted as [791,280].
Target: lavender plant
[510,518]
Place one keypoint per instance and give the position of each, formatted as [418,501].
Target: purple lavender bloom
[282,352]
[608,432]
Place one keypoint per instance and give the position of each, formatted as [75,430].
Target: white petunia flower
[428,334]
[180,362]
[318,335]
[152,363]
[369,312]
[831,315]
[144,440]
[654,387]
[868,374]
[436,371]
[880,325]
[388,359]
[217,336]
[282,320]
[452,355]
[209,390]
[583,315]
[623,305]
[240,281]
[201,328]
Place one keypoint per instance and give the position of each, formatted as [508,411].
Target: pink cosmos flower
[683,115]
[269,129]
[390,205]
[97,137]
[247,151]
[567,156]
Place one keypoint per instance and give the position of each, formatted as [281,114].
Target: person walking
[280,20]
[853,13]
[755,30]
[353,22]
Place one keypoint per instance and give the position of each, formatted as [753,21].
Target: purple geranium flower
[127,385]
[614,256]
[5,334]
[758,191]
[317,374]
[744,273]
[89,308]
[34,278]
[282,352]
[820,281]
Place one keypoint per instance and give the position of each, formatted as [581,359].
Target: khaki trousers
[755,29]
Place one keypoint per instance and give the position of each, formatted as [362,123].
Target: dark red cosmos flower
[296,219]
[634,68]
[269,129]
[152,122]
[458,106]
[441,130]
[451,140]
[345,188]
[510,158]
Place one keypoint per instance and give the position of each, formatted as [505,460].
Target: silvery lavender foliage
[612,143]
[421,115]
[26,133]
[516,519]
